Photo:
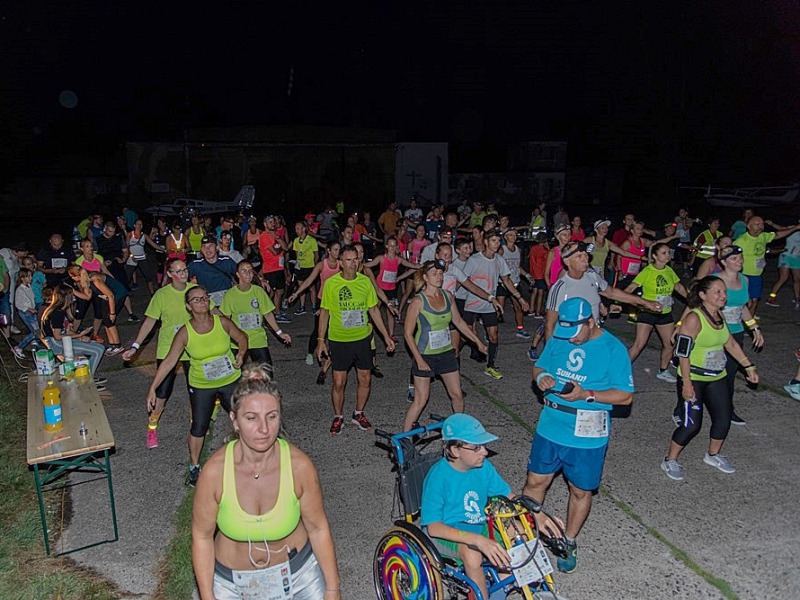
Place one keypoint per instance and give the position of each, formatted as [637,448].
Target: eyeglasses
[197,299]
[473,447]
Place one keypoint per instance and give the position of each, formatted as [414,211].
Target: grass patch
[25,572]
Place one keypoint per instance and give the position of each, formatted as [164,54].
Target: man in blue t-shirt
[572,434]
[215,273]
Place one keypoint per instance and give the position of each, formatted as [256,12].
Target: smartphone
[683,346]
[568,387]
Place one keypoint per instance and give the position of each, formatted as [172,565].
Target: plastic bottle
[51,400]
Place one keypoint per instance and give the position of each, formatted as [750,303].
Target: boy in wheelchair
[454,494]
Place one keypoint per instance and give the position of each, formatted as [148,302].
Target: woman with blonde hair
[93,288]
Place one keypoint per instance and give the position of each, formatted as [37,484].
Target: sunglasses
[571,249]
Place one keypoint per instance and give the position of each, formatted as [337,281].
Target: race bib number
[389,276]
[352,318]
[59,263]
[761,263]
[715,360]
[732,314]
[249,321]
[216,298]
[665,301]
[439,339]
[281,261]
[536,569]
[217,368]
[633,268]
[272,583]
[591,424]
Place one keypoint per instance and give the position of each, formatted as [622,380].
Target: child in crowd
[26,308]
[38,281]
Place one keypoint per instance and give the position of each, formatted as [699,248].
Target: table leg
[42,513]
[111,495]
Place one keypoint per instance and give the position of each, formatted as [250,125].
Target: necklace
[256,475]
[715,322]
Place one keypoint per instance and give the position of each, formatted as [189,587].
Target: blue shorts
[755,286]
[583,467]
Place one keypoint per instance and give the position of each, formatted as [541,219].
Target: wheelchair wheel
[403,570]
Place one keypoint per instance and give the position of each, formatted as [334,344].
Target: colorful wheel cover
[403,571]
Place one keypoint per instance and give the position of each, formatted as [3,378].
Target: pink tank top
[326,273]
[555,267]
[416,246]
[92,266]
[630,266]
[387,275]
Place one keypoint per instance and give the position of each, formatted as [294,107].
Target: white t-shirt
[485,273]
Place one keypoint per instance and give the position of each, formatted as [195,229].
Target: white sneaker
[309,359]
[15,330]
[666,375]
[719,461]
[672,469]
[793,389]
[17,352]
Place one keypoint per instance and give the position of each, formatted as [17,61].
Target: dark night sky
[708,90]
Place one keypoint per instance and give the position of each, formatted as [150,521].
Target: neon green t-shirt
[657,285]
[348,301]
[247,310]
[168,305]
[754,249]
[305,251]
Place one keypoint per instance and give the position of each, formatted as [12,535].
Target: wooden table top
[80,402]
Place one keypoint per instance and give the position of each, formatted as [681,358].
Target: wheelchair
[407,565]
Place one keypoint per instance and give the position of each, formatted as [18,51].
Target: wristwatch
[590,397]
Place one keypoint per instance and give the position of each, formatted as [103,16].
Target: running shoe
[410,394]
[100,380]
[772,301]
[493,373]
[300,310]
[114,350]
[359,420]
[570,563]
[282,318]
[15,330]
[193,476]
[533,354]
[321,378]
[133,318]
[17,352]
[538,316]
[310,359]
[796,303]
[376,372]
[101,388]
[793,389]
[666,375]
[521,333]
[152,438]
[737,420]
[719,461]
[337,425]
[672,469]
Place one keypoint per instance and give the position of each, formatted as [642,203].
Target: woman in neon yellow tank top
[702,376]
[259,509]
[213,370]
[430,315]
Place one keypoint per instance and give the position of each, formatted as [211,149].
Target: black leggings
[164,391]
[312,341]
[714,396]
[261,356]
[732,367]
[202,402]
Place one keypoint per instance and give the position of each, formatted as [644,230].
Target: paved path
[739,529]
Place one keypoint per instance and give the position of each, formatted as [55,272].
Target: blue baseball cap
[573,314]
[466,428]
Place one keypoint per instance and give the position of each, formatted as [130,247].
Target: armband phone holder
[683,346]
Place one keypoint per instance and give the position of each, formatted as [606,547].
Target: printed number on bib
[59,263]
[633,268]
[217,368]
[665,300]
[389,276]
[439,339]
[534,570]
[715,360]
[761,263]
[732,314]
[249,320]
[272,583]
[352,318]
[591,424]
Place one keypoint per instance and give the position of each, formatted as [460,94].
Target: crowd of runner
[450,278]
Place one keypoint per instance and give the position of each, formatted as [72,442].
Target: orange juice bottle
[51,400]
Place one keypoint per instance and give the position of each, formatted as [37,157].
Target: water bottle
[51,401]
